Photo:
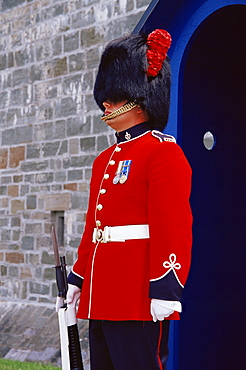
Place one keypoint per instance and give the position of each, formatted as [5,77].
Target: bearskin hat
[128,71]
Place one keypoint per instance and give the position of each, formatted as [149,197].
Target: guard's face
[126,120]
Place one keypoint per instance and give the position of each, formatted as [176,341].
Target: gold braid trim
[125,108]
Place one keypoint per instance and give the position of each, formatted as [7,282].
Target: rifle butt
[76,362]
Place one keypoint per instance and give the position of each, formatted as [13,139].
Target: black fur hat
[123,75]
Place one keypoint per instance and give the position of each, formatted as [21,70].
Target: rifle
[69,335]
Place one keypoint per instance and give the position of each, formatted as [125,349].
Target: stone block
[83,186]
[76,62]
[21,76]
[9,4]
[84,18]
[16,97]
[17,154]
[93,57]
[15,221]
[32,166]
[74,242]
[90,104]
[102,143]
[14,116]
[36,72]
[32,151]
[75,175]
[3,158]
[72,85]
[56,44]
[14,257]
[16,206]
[57,202]
[44,241]
[47,258]
[60,176]
[63,148]
[23,56]
[87,144]
[27,243]
[59,129]
[3,269]
[71,186]
[31,202]
[33,228]
[34,259]
[73,146]
[81,161]
[90,37]
[3,61]
[4,99]
[24,190]
[15,237]
[43,178]
[6,235]
[57,67]
[13,190]
[4,222]
[25,272]
[87,82]
[5,202]
[6,179]
[17,354]
[43,50]
[87,174]
[3,189]
[71,41]
[65,107]
[36,288]
[79,201]
[13,271]
[17,135]
[10,60]
[49,274]
[50,149]
[77,126]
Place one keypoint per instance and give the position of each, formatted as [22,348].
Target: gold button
[112,162]
[99,207]
[98,223]
[117,149]
[102,191]
[106,176]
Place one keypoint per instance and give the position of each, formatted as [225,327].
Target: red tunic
[117,275]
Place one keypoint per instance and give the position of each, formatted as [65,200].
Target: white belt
[120,233]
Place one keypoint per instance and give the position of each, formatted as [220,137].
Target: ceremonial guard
[134,256]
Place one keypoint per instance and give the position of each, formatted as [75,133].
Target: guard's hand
[158,310]
[73,295]
[59,303]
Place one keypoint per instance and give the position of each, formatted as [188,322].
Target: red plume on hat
[158,41]
[136,68]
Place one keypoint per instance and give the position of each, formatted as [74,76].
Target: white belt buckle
[98,236]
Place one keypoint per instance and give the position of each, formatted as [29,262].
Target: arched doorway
[212,328]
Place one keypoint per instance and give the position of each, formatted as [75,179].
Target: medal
[117,173]
[122,173]
[116,179]
[123,179]
[125,169]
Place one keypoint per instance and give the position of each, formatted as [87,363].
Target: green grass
[17,365]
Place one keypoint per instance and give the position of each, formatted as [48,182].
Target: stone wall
[50,129]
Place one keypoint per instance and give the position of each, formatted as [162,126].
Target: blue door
[212,328]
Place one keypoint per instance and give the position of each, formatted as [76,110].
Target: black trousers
[128,345]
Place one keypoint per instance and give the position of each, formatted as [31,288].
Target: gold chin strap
[125,108]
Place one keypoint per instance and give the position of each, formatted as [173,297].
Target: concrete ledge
[30,332]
